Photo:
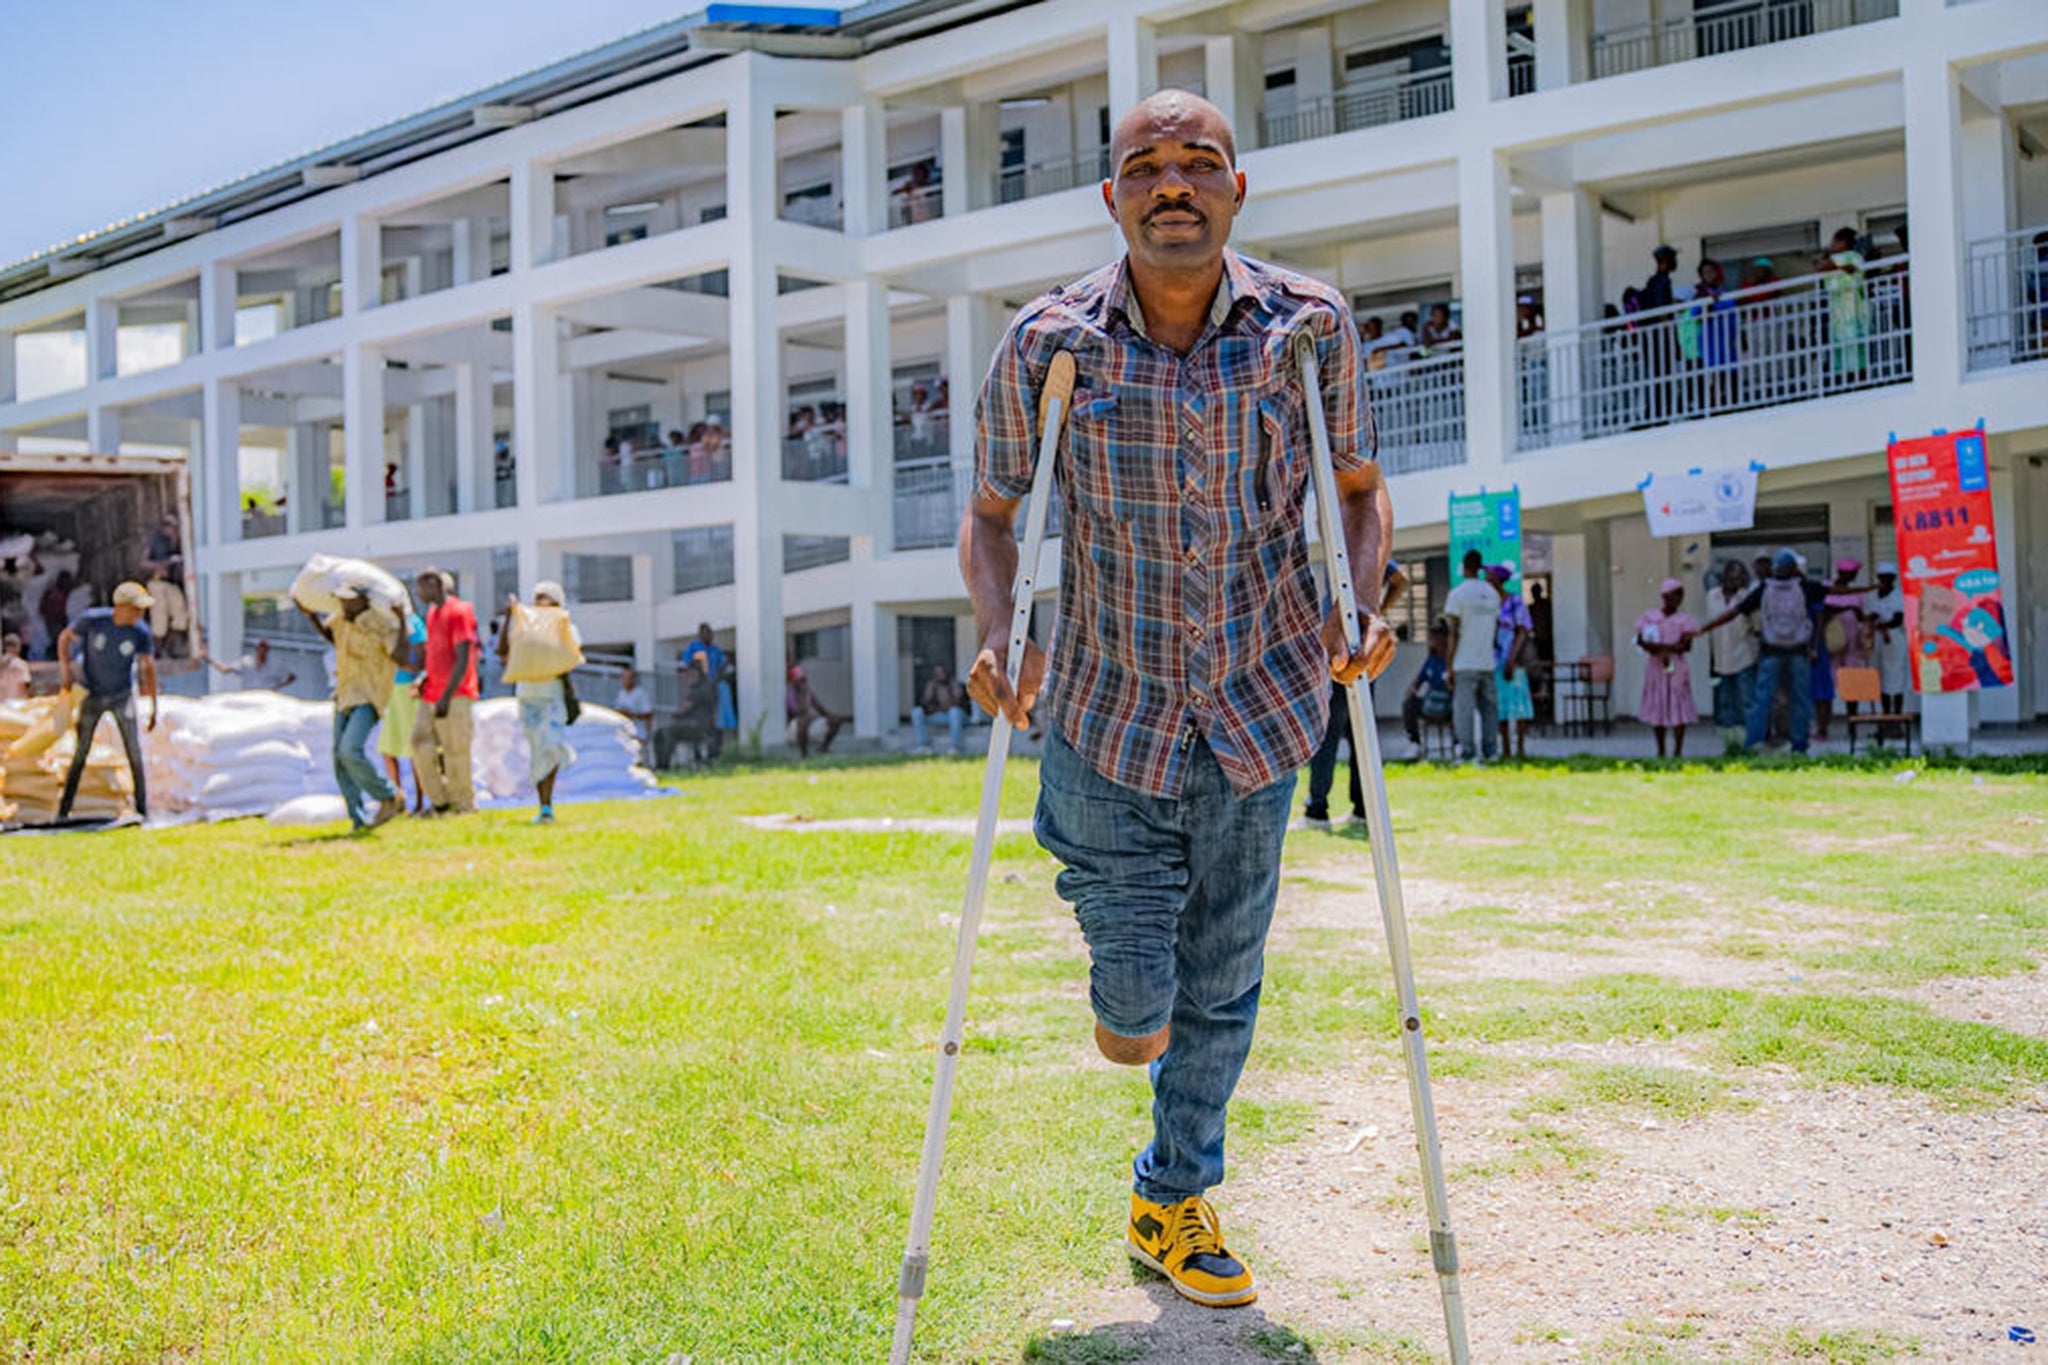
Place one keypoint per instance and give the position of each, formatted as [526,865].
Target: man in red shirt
[440,737]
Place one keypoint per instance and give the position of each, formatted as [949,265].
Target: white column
[873,645]
[7,391]
[102,320]
[362,263]
[644,601]
[1133,62]
[220,617]
[362,416]
[416,427]
[533,214]
[1933,202]
[472,249]
[970,344]
[103,430]
[1487,287]
[1479,53]
[221,408]
[756,398]
[864,167]
[536,398]
[870,420]
[1564,35]
[1234,80]
[1315,66]
[475,462]
[2001,705]
[1571,292]
[956,162]
[216,306]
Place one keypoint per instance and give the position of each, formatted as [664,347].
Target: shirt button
[1200,698]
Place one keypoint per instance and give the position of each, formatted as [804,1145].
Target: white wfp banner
[1698,502]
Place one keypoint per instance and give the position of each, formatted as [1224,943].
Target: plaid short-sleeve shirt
[1187,606]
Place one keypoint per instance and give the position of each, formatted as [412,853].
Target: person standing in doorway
[113,645]
[448,692]
[1888,619]
[1665,635]
[1192,658]
[1473,609]
[365,641]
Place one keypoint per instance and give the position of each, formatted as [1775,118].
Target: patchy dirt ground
[1784,1222]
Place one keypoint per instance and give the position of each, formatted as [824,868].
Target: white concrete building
[414,345]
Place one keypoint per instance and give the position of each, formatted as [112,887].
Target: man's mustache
[1188,209]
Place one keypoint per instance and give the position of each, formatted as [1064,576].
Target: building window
[598,578]
[814,552]
[703,556]
[827,644]
[1013,149]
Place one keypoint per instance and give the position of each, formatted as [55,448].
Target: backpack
[1782,614]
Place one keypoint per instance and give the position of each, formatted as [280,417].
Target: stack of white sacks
[237,754]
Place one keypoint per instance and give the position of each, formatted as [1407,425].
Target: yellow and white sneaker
[1184,1243]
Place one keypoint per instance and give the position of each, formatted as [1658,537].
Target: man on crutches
[1191,668]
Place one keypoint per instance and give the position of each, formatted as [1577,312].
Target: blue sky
[123,106]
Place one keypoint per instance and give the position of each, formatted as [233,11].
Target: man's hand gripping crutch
[1386,872]
[1054,396]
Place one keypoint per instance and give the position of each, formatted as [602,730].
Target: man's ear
[1240,189]
[1109,197]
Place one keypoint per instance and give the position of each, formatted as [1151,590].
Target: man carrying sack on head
[539,647]
[1192,664]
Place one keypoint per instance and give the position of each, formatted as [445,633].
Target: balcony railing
[817,456]
[2007,299]
[1013,183]
[916,204]
[931,496]
[1812,337]
[1419,413]
[815,212]
[1728,27]
[659,467]
[505,490]
[1364,104]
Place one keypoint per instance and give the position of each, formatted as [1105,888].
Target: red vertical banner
[1948,562]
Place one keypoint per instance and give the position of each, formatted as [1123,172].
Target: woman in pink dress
[1665,635]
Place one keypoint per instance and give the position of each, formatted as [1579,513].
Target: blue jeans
[354,771]
[920,726]
[1175,898]
[1734,694]
[1798,675]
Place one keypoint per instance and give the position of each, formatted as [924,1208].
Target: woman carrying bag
[539,646]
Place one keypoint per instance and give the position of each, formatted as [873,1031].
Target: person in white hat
[113,645]
[1887,608]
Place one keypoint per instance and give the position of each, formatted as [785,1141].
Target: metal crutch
[1443,1246]
[1053,399]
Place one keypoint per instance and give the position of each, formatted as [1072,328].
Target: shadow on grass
[1179,1331]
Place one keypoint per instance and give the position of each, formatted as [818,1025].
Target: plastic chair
[1860,686]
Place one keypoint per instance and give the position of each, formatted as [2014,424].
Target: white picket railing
[1362,104]
[1811,337]
[2006,299]
[1418,413]
[1730,26]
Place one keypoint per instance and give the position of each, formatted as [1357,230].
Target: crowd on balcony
[1410,339]
[703,454]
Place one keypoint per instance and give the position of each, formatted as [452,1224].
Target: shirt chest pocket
[1113,457]
[1270,472]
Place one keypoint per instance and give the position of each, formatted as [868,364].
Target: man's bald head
[1171,115]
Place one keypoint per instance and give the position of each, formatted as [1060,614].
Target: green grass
[653,1082]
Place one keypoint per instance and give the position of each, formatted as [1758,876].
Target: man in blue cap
[1784,606]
